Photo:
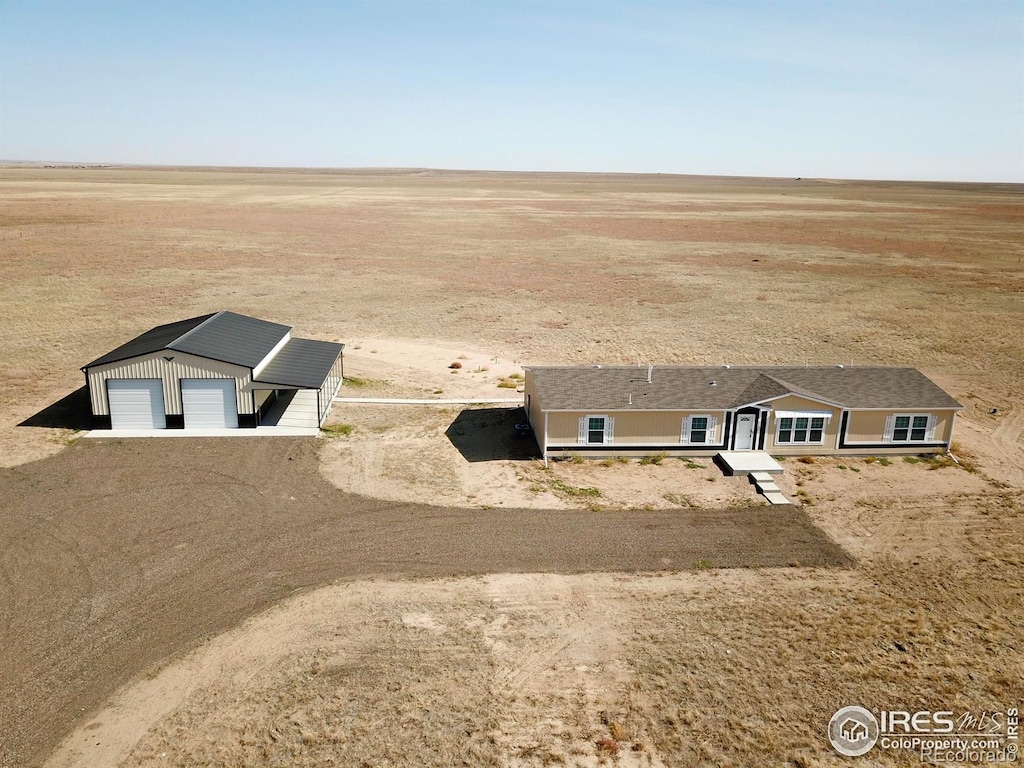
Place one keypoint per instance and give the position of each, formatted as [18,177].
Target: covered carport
[297,387]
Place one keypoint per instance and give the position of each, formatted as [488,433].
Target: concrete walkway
[211,432]
[765,484]
[290,412]
[759,467]
[294,409]
[745,462]
[431,401]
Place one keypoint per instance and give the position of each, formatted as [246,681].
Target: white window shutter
[890,422]
[712,423]
[685,436]
[609,429]
[583,429]
[930,434]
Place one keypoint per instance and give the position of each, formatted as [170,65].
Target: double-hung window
[800,430]
[698,430]
[910,428]
[596,430]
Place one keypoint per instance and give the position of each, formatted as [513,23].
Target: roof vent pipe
[630,401]
[650,371]
[713,384]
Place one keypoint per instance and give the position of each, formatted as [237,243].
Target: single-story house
[222,370]
[701,411]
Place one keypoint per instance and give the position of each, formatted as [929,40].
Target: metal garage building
[222,370]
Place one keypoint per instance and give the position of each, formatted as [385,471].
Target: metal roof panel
[153,340]
[232,338]
[303,363]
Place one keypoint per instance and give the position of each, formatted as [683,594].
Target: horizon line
[83,164]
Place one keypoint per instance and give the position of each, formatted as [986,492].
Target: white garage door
[136,403]
[209,403]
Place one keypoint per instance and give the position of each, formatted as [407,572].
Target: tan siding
[563,427]
[796,403]
[944,425]
[631,427]
[648,427]
[866,426]
[534,413]
[869,426]
[154,366]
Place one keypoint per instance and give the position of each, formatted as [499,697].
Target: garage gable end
[168,367]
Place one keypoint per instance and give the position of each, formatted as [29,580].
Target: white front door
[209,403]
[745,431]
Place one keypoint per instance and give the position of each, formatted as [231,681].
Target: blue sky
[905,89]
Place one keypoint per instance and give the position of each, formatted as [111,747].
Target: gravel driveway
[118,555]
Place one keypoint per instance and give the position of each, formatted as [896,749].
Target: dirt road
[117,555]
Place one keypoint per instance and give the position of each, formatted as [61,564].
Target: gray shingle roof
[871,387]
[762,388]
[301,363]
[610,388]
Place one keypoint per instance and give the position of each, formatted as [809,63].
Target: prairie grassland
[541,268]
[702,668]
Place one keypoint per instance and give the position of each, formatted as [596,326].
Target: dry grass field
[416,269]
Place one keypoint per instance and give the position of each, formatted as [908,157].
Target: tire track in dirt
[1008,444]
[1001,447]
[561,686]
[921,527]
[1010,429]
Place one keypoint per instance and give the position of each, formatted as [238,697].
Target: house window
[596,430]
[910,428]
[800,430]
[698,430]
